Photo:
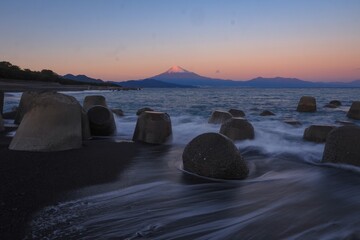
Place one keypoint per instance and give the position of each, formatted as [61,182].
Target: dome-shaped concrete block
[306,104]
[26,101]
[333,104]
[53,123]
[214,155]
[317,133]
[237,129]
[236,113]
[94,100]
[153,127]
[101,121]
[343,146]
[218,117]
[267,113]
[354,111]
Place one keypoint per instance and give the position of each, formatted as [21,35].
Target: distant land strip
[13,78]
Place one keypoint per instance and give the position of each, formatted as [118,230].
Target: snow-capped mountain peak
[176,69]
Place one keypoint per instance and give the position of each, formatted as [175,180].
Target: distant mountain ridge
[178,77]
[82,78]
[278,82]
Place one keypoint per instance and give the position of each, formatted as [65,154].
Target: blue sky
[130,39]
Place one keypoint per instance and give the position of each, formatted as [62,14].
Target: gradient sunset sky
[316,40]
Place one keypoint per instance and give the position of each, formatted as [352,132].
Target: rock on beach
[237,129]
[306,104]
[354,111]
[214,155]
[101,121]
[218,117]
[343,146]
[94,100]
[153,127]
[53,123]
[317,133]
[236,113]
[26,101]
[267,113]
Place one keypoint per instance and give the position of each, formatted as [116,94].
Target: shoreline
[32,180]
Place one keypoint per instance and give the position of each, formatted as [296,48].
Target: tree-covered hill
[10,71]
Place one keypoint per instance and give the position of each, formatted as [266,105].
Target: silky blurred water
[289,194]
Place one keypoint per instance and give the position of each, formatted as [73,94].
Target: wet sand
[32,180]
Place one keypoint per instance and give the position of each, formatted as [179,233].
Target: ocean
[289,194]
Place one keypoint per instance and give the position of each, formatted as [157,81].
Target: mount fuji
[178,75]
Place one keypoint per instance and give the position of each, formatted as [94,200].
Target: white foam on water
[275,137]
[125,126]
[185,128]
[271,136]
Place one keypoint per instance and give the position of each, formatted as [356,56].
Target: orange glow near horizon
[312,65]
[308,60]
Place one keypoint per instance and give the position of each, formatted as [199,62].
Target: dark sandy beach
[31,180]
